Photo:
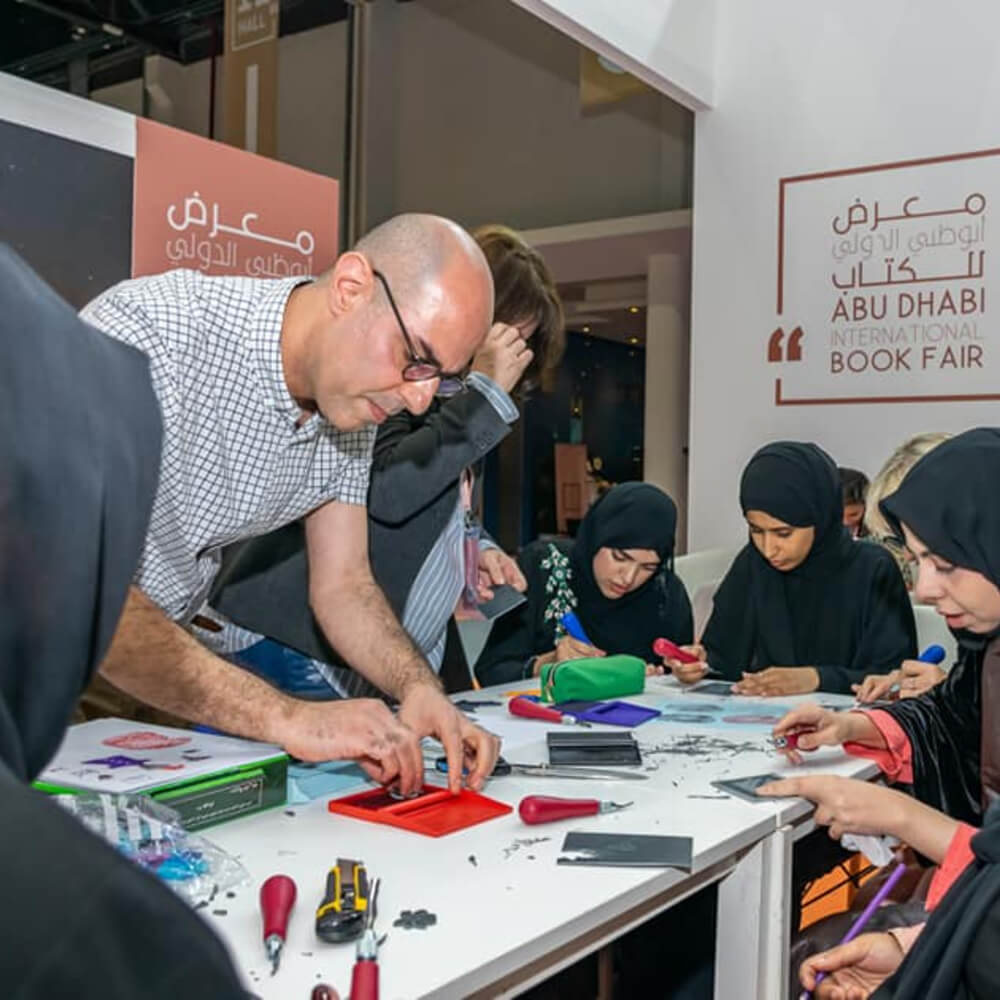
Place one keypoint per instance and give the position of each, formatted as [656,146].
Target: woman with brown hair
[422,540]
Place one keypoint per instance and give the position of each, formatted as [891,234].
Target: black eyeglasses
[419,369]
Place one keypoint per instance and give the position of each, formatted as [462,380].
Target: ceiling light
[633,309]
[633,340]
[586,329]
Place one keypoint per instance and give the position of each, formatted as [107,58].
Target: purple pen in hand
[859,925]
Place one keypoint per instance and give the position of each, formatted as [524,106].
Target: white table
[514,917]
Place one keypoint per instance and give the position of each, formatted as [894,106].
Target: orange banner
[205,205]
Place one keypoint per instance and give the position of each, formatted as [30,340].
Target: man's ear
[351,283]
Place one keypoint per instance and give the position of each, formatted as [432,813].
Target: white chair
[932,630]
[701,606]
[696,569]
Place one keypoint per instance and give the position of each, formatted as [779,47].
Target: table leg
[752,935]
[606,973]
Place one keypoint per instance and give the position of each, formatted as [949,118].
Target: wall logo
[888,267]
[778,349]
[204,205]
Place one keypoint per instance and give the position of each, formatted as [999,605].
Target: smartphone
[744,788]
[666,649]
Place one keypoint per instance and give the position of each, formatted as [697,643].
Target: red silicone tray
[434,812]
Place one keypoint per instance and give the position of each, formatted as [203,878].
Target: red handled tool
[668,650]
[364,977]
[790,741]
[535,809]
[277,896]
[529,709]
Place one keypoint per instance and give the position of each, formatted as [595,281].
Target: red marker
[668,650]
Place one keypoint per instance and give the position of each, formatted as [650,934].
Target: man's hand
[689,673]
[495,569]
[916,677]
[503,356]
[775,681]
[854,970]
[360,729]
[427,712]
[875,687]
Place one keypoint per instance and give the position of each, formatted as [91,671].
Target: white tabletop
[500,899]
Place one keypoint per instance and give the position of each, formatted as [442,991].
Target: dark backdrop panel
[67,209]
[605,381]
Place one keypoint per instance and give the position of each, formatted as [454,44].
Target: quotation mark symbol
[778,349]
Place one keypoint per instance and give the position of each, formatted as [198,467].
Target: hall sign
[885,284]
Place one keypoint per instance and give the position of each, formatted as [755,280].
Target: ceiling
[601,269]
[612,309]
[81,45]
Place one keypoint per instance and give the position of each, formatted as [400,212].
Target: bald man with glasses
[270,393]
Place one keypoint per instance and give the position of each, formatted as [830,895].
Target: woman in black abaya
[616,576]
[803,608]
[79,452]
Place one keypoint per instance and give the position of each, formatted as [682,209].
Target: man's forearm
[360,625]
[155,660]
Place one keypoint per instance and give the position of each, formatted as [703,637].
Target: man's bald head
[417,252]
[351,355]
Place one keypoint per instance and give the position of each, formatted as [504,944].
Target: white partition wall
[889,270]
[667,43]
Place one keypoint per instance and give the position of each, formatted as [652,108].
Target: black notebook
[596,749]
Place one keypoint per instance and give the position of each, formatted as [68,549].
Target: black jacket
[416,474]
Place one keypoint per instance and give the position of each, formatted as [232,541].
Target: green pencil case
[593,678]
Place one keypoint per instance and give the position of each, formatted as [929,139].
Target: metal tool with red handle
[529,709]
[277,896]
[790,741]
[535,809]
[364,977]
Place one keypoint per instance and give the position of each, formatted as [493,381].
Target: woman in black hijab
[617,576]
[946,744]
[803,608]
[79,450]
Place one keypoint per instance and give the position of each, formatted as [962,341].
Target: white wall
[813,88]
[668,43]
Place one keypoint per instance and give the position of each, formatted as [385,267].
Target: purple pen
[866,914]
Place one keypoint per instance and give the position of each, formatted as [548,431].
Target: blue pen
[571,623]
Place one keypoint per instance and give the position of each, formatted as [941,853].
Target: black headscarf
[79,450]
[628,516]
[800,485]
[844,610]
[79,454]
[949,500]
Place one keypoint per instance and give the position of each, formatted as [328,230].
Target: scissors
[504,768]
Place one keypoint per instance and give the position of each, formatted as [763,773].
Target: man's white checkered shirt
[235,464]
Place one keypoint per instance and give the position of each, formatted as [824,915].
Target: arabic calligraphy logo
[196,214]
[779,350]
